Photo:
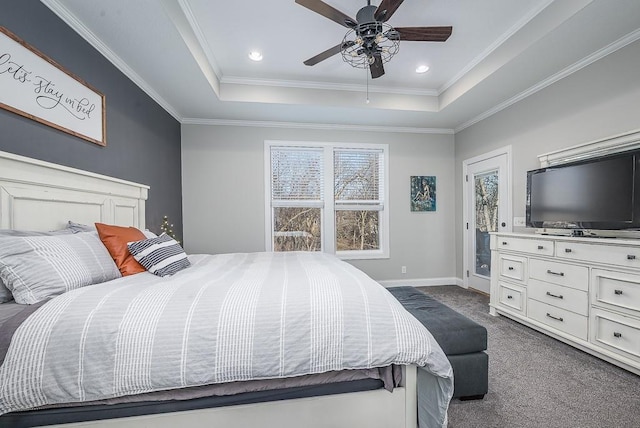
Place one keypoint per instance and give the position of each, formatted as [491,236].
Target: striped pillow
[36,268]
[161,256]
[5,293]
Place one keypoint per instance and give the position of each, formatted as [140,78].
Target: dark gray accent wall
[143,140]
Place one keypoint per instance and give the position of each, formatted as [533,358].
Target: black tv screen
[595,194]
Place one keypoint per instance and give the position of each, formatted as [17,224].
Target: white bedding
[230,317]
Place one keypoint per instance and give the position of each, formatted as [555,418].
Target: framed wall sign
[34,86]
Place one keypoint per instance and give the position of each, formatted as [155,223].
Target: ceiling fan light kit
[370,41]
[363,49]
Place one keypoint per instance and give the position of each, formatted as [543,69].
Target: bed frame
[37,195]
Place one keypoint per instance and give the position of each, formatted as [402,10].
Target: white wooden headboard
[38,195]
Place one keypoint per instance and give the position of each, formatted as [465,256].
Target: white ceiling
[191,56]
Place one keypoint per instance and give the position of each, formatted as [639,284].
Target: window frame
[328,205]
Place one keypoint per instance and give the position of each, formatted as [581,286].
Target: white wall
[223,195]
[598,101]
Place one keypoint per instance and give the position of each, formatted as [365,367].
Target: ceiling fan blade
[327,11]
[377,68]
[386,9]
[324,55]
[425,34]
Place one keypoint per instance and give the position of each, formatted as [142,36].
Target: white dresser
[582,291]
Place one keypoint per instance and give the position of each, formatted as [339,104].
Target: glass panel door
[486,211]
[486,218]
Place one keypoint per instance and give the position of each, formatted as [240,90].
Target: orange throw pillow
[115,238]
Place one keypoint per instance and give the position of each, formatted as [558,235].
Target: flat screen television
[601,194]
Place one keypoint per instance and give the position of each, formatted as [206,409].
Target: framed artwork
[423,193]
[34,86]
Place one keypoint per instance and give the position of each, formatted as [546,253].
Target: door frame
[506,150]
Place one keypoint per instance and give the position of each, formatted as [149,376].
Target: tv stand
[579,290]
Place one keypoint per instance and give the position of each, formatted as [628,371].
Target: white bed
[36,195]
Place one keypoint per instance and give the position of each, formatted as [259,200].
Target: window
[327,197]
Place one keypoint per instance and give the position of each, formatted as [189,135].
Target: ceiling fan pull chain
[366,71]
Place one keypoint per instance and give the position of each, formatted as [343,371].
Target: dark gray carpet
[536,381]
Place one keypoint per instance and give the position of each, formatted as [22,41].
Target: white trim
[421,282]
[84,32]
[495,45]
[299,84]
[616,143]
[315,126]
[328,222]
[182,19]
[507,150]
[588,60]
[202,40]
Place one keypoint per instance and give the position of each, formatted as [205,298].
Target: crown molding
[326,86]
[202,40]
[495,45]
[316,126]
[588,60]
[70,19]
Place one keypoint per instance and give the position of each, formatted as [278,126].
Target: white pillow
[161,256]
[36,268]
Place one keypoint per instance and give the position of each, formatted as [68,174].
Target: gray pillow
[5,294]
[35,268]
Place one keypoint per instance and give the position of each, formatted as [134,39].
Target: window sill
[362,255]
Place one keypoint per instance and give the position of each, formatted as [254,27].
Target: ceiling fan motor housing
[366,15]
[368,29]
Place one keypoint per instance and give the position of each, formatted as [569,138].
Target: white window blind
[296,174]
[358,179]
[327,197]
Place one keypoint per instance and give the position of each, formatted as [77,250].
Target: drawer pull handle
[618,292]
[631,257]
[540,247]
[555,318]
[557,296]
[510,267]
[616,334]
[509,296]
[504,242]
[568,250]
[550,272]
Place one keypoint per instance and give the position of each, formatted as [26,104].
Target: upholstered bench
[462,340]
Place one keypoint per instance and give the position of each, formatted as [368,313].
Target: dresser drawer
[620,255]
[561,297]
[560,319]
[524,245]
[512,296]
[616,332]
[560,273]
[616,290]
[512,267]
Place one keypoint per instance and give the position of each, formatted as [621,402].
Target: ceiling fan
[370,41]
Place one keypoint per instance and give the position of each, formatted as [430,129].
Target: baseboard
[422,282]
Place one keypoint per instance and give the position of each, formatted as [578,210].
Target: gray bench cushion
[455,333]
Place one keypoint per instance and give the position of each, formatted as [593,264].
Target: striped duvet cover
[229,317]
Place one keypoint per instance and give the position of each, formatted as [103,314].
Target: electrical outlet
[518,222]
[404,269]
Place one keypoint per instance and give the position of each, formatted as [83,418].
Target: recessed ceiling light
[255,56]
[422,69]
